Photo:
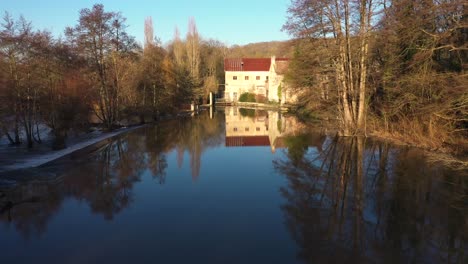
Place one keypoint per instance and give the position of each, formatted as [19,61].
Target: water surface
[241,186]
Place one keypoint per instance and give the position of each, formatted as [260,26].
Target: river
[236,186]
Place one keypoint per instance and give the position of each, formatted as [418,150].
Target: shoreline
[41,159]
[447,156]
[34,161]
[442,152]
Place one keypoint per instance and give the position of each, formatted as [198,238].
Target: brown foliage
[284,49]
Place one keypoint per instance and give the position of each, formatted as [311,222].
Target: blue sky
[230,21]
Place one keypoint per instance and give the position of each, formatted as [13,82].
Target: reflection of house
[248,127]
[261,76]
[246,130]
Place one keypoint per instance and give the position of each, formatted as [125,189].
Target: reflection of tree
[105,180]
[198,134]
[28,209]
[155,148]
[362,201]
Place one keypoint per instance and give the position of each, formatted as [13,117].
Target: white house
[261,76]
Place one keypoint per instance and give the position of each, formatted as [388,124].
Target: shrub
[247,97]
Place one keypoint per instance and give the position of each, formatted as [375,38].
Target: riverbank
[254,105]
[453,154]
[15,158]
[20,157]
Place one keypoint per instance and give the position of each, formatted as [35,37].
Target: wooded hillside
[283,49]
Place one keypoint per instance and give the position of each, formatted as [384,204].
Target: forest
[98,69]
[395,69]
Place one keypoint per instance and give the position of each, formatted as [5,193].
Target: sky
[229,21]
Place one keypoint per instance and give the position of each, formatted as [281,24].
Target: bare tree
[344,28]
[101,38]
[13,38]
[178,49]
[20,45]
[211,68]
[193,55]
[183,79]
[149,32]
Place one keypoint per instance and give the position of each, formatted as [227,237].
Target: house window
[246,78]
[267,78]
[234,77]
[257,78]
[235,129]
[246,129]
[258,129]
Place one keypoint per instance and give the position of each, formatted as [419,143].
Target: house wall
[287,96]
[275,81]
[234,88]
[267,85]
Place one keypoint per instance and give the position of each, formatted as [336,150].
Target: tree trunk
[16,130]
[365,17]
[59,139]
[7,134]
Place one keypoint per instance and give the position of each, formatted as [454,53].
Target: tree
[192,49]
[344,28]
[101,39]
[21,48]
[419,53]
[64,98]
[197,65]
[149,32]
[212,53]
[156,87]
[310,73]
[13,46]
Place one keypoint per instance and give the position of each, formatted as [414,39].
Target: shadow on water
[358,200]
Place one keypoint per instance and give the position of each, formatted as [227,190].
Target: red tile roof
[244,141]
[249,64]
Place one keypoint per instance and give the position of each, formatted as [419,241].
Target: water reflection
[104,183]
[254,127]
[342,199]
[105,180]
[363,201]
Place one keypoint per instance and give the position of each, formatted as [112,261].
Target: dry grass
[421,133]
[448,160]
